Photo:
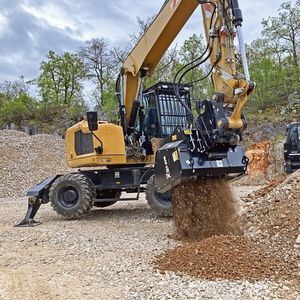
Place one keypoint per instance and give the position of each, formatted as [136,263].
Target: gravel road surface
[107,255]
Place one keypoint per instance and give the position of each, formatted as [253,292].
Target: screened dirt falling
[203,208]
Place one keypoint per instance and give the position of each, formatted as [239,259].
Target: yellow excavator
[161,138]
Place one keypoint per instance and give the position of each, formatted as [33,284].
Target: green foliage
[283,32]
[109,103]
[18,110]
[192,48]
[60,78]
[16,105]
[102,66]
[273,59]
[174,60]
[60,84]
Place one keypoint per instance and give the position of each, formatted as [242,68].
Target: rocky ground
[113,253]
[26,160]
[268,248]
[109,255]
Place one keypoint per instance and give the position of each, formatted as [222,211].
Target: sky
[30,28]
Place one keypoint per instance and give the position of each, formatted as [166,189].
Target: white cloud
[51,14]
[33,27]
[3,23]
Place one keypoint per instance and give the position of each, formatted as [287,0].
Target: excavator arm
[222,20]
[147,53]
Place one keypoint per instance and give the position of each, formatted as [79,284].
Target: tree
[283,32]
[60,79]
[102,66]
[10,89]
[143,25]
[99,63]
[274,59]
[16,105]
[19,110]
[60,84]
[192,48]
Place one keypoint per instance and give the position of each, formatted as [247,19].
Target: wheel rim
[68,197]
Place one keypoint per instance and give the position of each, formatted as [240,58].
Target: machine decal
[219,163]
[175,155]
[207,7]
[168,173]
[174,3]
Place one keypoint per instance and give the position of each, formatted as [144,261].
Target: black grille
[171,113]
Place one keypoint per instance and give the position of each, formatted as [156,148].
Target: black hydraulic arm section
[134,112]
[237,13]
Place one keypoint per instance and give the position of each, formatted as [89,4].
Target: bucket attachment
[34,204]
[175,161]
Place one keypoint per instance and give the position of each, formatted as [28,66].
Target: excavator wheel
[160,203]
[71,195]
[108,194]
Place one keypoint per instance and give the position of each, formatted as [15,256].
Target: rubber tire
[108,194]
[156,201]
[85,195]
[288,169]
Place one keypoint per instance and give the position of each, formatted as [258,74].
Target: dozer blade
[176,162]
[34,204]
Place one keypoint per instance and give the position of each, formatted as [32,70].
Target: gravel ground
[27,160]
[108,255]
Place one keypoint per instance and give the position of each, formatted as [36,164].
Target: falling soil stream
[203,208]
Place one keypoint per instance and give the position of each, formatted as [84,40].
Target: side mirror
[92,119]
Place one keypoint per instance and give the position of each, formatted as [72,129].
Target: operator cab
[292,148]
[164,113]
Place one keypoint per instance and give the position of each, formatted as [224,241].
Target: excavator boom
[151,47]
[222,21]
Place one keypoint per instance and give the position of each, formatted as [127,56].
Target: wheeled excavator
[292,148]
[162,137]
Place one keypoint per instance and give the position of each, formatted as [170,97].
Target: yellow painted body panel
[112,138]
[114,151]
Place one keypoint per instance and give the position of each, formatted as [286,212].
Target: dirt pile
[265,189]
[204,207]
[26,160]
[259,162]
[221,257]
[270,247]
[274,219]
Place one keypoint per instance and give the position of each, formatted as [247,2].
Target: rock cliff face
[265,163]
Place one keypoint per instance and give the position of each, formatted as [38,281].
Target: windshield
[295,134]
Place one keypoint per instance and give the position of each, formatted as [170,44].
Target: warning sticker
[175,156]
